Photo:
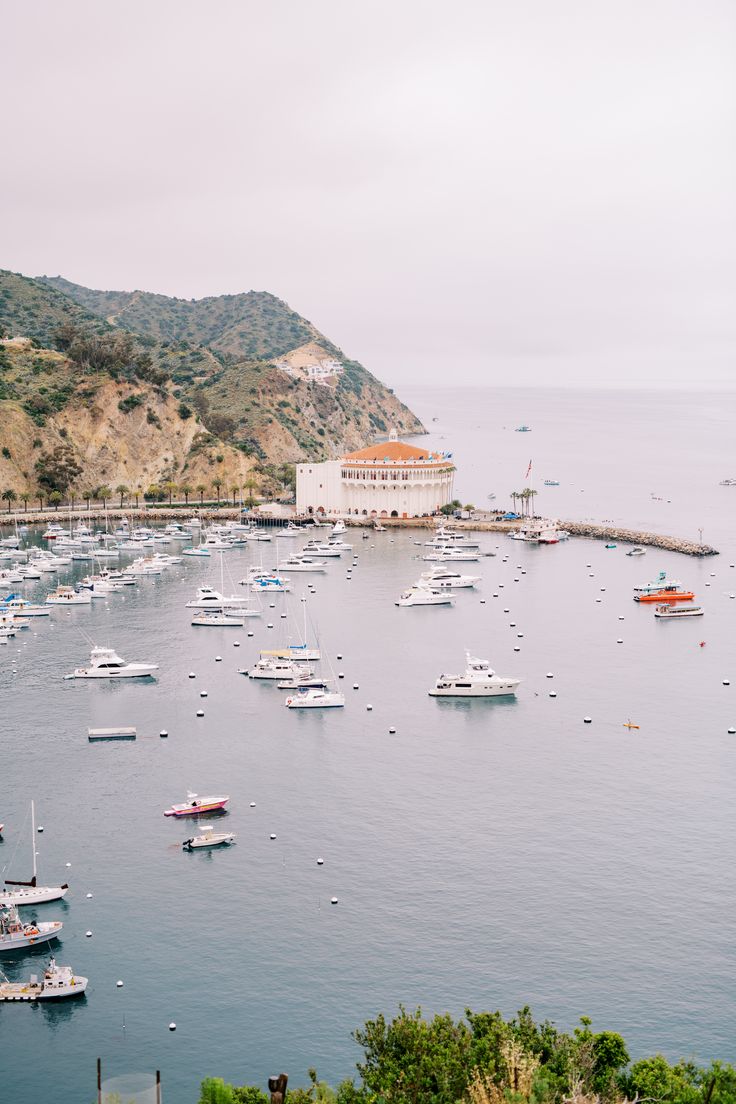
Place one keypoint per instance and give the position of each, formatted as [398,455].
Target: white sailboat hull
[31,895]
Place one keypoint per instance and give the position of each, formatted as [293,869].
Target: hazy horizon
[526,194]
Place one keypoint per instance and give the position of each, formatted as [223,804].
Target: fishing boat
[477,681]
[197,806]
[637,551]
[668,611]
[57,982]
[17,935]
[666,595]
[209,838]
[315,698]
[106,663]
[29,893]
[660,583]
[217,620]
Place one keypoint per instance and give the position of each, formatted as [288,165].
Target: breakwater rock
[632,536]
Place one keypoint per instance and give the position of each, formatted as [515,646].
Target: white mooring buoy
[172,1027]
[587,720]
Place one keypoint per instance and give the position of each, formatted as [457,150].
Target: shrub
[130,403]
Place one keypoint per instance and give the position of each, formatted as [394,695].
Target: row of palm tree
[524,498]
[156,492]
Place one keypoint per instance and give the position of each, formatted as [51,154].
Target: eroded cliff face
[151,444]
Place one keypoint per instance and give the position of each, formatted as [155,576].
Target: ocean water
[487,854]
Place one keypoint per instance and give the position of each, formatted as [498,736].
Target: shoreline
[481,524]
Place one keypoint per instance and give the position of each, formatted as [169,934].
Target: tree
[235,491]
[88,494]
[122,490]
[103,493]
[55,498]
[138,493]
[9,496]
[217,483]
[153,494]
[170,489]
[57,469]
[26,494]
[200,491]
[186,490]
[216,1091]
[251,485]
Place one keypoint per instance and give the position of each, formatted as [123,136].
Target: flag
[528,470]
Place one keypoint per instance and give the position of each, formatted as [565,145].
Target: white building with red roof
[390,479]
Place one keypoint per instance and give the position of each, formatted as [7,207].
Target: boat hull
[22,941]
[198,810]
[31,895]
[483,690]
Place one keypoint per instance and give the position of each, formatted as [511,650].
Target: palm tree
[186,490]
[217,483]
[514,498]
[89,494]
[138,493]
[26,494]
[200,488]
[103,493]
[9,496]
[528,495]
[235,490]
[55,498]
[122,490]
[39,496]
[170,489]
[251,484]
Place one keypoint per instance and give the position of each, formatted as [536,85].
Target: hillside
[144,388]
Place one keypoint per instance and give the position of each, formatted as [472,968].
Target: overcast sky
[481,192]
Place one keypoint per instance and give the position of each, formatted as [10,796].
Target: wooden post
[277,1088]
[158,1086]
[99,1081]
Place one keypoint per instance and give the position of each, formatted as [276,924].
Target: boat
[196,805]
[271,667]
[196,552]
[339,546]
[17,935]
[679,611]
[209,838]
[106,663]
[441,576]
[478,681]
[378,528]
[301,563]
[424,596]
[637,551]
[551,482]
[68,596]
[666,595]
[303,682]
[29,893]
[611,545]
[727,483]
[660,583]
[268,582]
[15,604]
[491,496]
[218,620]
[299,652]
[451,555]
[57,982]
[338,528]
[193,523]
[322,548]
[523,429]
[315,698]
[209,598]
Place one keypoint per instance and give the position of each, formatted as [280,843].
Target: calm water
[488,854]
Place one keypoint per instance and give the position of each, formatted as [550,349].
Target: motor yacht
[197,806]
[209,598]
[106,663]
[423,596]
[57,982]
[660,583]
[315,698]
[339,546]
[15,604]
[678,612]
[9,576]
[301,563]
[68,596]
[637,551]
[193,523]
[217,620]
[196,552]
[272,667]
[209,838]
[321,548]
[55,530]
[451,555]
[441,576]
[478,681]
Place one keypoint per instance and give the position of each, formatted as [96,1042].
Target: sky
[520,192]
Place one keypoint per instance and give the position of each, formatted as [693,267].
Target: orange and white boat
[669,594]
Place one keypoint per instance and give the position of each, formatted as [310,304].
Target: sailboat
[29,893]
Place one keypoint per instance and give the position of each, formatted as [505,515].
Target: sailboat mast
[33,838]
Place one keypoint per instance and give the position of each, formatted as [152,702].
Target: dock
[124,733]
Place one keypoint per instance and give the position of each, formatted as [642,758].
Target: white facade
[405,482]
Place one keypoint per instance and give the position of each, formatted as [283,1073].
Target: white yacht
[315,698]
[196,552]
[271,667]
[16,935]
[660,583]
[441,576]
[638,551]
[15,604]
[68,596]
[29,893]
[321,548]
[677,612]
[106,663]
[338,528]
[193,523]
[478,681]
[267,582]
[57,982]
[210,599]
[451,555]
[219,620]
[301,563]
[209,838]
[423,596]
[9,576]
[298,652]
[54,531]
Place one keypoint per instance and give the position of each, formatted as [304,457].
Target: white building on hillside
[386,480]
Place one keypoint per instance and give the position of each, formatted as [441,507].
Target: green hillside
[33,309]
[253,324]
